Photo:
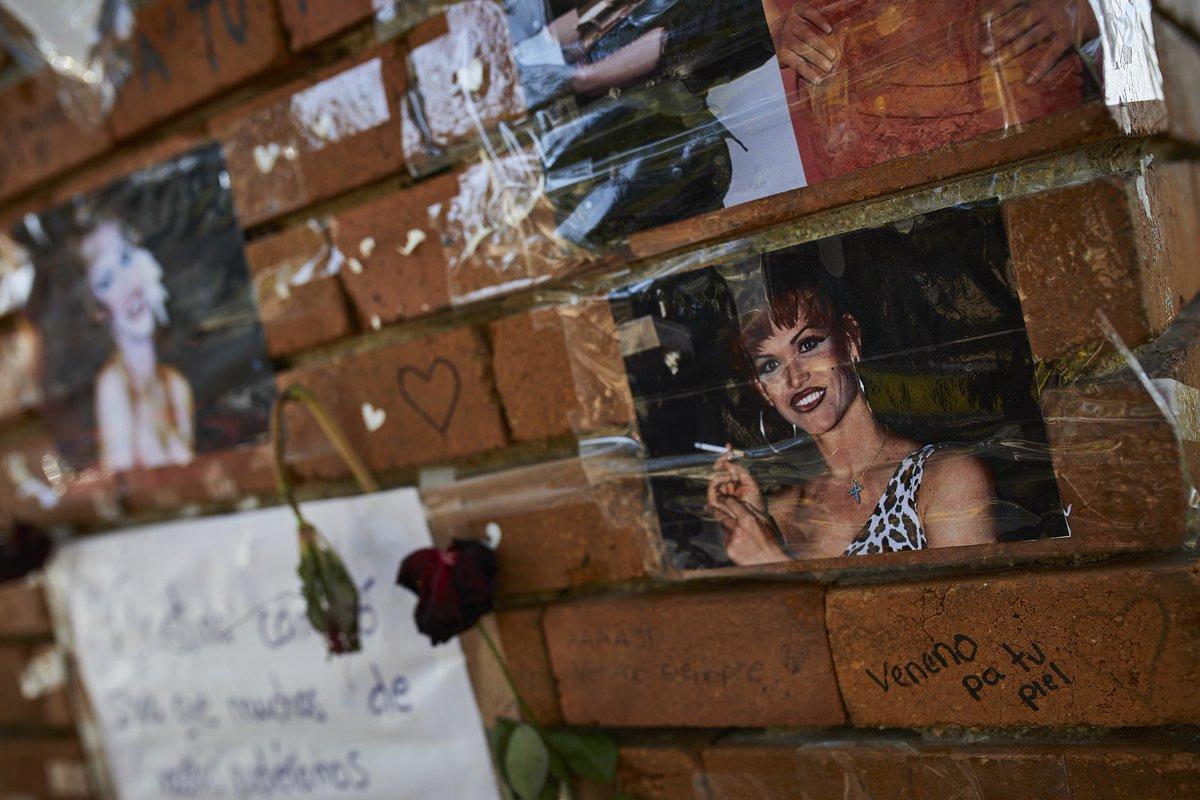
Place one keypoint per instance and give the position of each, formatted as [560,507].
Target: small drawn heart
[432,393]
[373,417]
[265,156]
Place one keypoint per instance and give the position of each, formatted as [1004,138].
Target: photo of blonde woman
[151,353]
[144,408]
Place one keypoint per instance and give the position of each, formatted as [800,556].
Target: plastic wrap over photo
[626,115]
[865,393]
[150,342]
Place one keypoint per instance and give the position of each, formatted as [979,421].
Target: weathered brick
[52,767]
[1083,126]
[312,21]
[42,701]
[299,301]
[396,268]
[524,647]
[475,30]
[1183,12]
[432,399]
[1114,646]
[751,658]
[315,138]
[653,772]
[891,769]
[40,136]
[1124,247]
[187,51]
[121,163]
[560,528]
[559,370]
[36,487]
[23,611]
[1125,469]
[223,478]
[1179,61]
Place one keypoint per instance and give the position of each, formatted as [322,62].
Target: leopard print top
[894,525]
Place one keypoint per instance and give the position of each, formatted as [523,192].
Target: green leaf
[589,755]
[330,595]
[622,796]
[498,737]
[526,762]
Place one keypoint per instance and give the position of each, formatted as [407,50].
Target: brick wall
[1053,668]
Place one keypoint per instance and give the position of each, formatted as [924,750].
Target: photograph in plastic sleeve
[653,111]
[865,393]
[151,346]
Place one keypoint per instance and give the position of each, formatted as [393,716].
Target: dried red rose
[454,586]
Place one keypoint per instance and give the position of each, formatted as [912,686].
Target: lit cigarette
[712,448]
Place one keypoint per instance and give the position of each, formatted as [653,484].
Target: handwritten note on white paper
[208,681]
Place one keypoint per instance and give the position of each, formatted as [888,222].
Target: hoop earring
[762,428]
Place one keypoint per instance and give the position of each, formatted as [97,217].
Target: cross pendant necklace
[856,487]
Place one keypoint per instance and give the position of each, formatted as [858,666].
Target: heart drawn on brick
[1144,624]
[433,393]
[373,417]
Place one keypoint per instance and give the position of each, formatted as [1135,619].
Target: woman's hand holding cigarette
[736,500]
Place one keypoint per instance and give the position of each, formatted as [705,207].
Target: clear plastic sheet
[869,393]
[627,116]
[82,41]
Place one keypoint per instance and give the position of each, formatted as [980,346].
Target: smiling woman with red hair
[802,350]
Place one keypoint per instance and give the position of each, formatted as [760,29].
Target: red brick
[36,487]
[1179,60]
[560,527]
[312,21]
[315,138]
[752,658]
[1123,246]
[300,303]
[892,769]
[384,284]
[1126,638]
[40,137]
[1071,130]
[489,249]
[20,355]
[184,51]
[23,611]
[1124,468]
[50,708]
[435,393]
[524,648]
[120,163]
[44,767]
[223,478]
[653,772]
[559,370]
[471,30]
[1183,12]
